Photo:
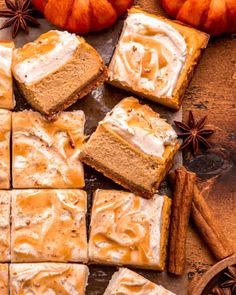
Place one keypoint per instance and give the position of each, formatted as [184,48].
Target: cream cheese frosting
[5,200]
[44,56]
[49,225]
[6,83]
[150,55]
[48,279]
[127,282]
[45,153]
[141,126]
[5,132]
[125,229]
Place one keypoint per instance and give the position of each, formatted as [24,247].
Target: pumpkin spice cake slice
[155,57]
[133,146]
[7,99]
[5,134]
[127,229]
[49,225]
[128,282]
[45,154]
[48,278]
[56,70]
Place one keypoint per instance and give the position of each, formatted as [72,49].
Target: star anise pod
[194,133]
[231,279]
[20,16]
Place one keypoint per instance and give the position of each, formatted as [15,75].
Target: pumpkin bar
[49,225]
[48,278]
[45,153]
[5,201]
[133,146]
[4,279]
[7,99]
[155,57]
[56,70]
[5,133]
[129,282]
[127,229]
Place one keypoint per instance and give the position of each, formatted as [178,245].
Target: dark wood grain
[212,91]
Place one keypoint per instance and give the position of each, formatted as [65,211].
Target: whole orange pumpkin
[212,16]
[82,16]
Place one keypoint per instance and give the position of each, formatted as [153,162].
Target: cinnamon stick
[208,226]
[181,208]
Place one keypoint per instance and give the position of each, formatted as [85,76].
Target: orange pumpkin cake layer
[5,201]
[57,69]
[48,278]
[5,134]
[45,153]
[49,225]
[7,100]
[133,146]
[128,282]
[129,230]
[155,57]
[4,286]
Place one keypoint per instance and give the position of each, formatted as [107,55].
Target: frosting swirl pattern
[48,278]
[150,55]
[44,56]
[141,126]
[45,154]
[49,225]
[125,229]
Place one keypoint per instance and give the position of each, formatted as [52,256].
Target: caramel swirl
[125,228]
[150,55]
[48,278]
[45,154]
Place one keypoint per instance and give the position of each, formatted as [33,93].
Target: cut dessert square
[56,70]
[133,146]
[129,230]
[49,225]
[48,278]
[7,100]
[45,153]
[5,134]
[4,286]
[129,282]
[5,201]
[155,57]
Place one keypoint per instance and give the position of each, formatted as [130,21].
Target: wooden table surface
[211,92]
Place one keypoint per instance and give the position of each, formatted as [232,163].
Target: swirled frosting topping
[127,282]
[49,225]
[141,126]
[45,154]
[125,228]
[48,279]
[45,55]
[150,55]
[5,130]
[6,84]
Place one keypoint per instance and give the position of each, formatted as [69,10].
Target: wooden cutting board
[212,92]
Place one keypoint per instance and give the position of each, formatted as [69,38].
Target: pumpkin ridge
[113,7]
[69,13]
[204,16]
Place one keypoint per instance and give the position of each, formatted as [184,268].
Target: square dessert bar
[155,57]
[49,225]
[129,282]
[5,201]
[45,153]
[129,230]
[7,100]
[4,285]
[56,70]
[5,134]
[133,146]
[48,278]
